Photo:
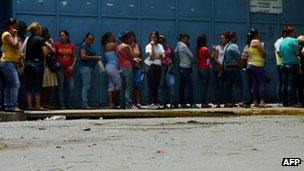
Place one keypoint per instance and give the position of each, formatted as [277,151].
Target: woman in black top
[36,50]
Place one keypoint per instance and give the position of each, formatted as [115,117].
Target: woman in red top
[204,68]
[126,65]
[66,57]
[138,71]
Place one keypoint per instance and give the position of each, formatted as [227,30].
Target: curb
[106,113]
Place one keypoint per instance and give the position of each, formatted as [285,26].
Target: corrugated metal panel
[170,17]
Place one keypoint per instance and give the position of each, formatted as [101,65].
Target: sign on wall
[266,6]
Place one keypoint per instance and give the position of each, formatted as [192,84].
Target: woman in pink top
[126,65]
[204,68]
[167,81]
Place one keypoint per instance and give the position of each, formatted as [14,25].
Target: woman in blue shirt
[88,61]
[289,49]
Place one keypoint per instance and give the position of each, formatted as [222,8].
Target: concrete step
[139,113]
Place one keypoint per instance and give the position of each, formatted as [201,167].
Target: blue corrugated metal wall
[170,17]
[5,10]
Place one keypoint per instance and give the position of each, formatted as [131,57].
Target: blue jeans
[167,83]
[218,84]
[86,74]
[289,77]
[233,78]
[204,75]
[185,80]
[12,84]
[280,84]
[65,83]
[153,75]
[128,77]
[246,85]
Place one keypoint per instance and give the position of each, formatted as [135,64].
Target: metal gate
[170,17]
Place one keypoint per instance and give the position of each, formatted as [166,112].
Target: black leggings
[154,73]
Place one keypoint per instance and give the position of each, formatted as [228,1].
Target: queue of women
[39,65]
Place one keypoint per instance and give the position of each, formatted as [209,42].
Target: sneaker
[166,106]
[184,106]
[245,105]
[139,106]
[206,105]
[153,107]
[230,105]
[193,106]
[85,107]
[279,105]
[174,106]
[15,109]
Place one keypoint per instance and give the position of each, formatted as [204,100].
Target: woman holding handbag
[36,51]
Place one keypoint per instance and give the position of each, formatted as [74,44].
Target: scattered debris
[56,118]
[87,129]
[192,122]
[160,152]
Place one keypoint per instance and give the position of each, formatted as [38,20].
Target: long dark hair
[253,32]
[45,33]
[86,36]
[155,33]
[9,22]
[66,33]
[289,30]
[226,34]
[22,29]
[182,35]
[105,37]
[201,42]
[125,36]
[283,32]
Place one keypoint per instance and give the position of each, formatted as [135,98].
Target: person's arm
[45,51]
[50,46]
[162,52]
[186,50]
[85,57]
[152,54]
[12,41]
[74,60]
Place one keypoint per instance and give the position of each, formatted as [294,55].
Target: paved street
[227,143]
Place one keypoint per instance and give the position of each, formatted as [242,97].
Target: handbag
[34,64]
[52,63]
[100,67]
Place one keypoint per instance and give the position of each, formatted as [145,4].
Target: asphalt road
[228,143]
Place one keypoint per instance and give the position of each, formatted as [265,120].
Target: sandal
[40,108]
[264,106]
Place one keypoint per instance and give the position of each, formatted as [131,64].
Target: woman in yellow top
[256,61]
[10,58]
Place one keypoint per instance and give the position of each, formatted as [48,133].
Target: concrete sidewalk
[245,143]
[107,113]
